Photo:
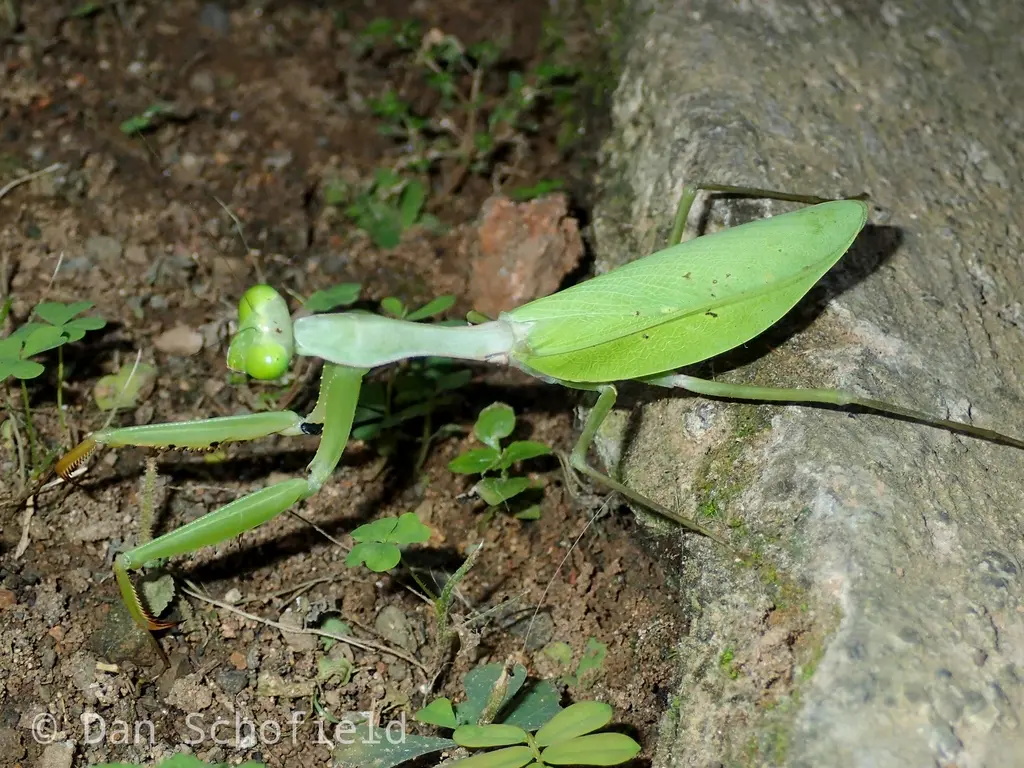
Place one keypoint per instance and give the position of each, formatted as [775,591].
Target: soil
[163,232]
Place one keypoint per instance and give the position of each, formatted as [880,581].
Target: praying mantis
[679,306]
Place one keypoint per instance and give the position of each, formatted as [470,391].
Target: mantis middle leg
[578,461]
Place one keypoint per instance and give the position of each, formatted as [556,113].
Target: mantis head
[264,345]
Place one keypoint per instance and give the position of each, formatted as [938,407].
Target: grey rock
[394,626]
[103,249]
[57,755]
[214,19]
[11,745]
[232,681]
[202,82]
[891,552]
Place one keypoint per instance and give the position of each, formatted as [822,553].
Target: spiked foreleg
[339,393]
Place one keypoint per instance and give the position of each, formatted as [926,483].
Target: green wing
[688,302]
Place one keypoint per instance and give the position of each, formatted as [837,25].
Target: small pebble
[180,340]
[57,755]
[232,681]
[101,248]
[214,19]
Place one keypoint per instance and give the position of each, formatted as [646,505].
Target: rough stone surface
[521,251]
[884,624]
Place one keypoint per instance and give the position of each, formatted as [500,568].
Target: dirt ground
[163,230]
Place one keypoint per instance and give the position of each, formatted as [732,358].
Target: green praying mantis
[679,306]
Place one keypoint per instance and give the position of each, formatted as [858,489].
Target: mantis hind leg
[828,397]
[578,461]
[690,192]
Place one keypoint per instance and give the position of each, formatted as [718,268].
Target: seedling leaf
[432,308]
[591,663]
[376,556]
[124,388]
[40,338]
[534,705]
[475,461]
[76,329]
[494,423]
[341,295]
[157,593]
[338,670]
[510,757]
[409,530]
[376,750]
[393,306]
[520,450]
[439,712]
[411,202]
[19,369]
[491,735]
[56,313]
[498,490]
[479,682]
[335,626]
[406,529]
[575,720]
[532,512]
[595,749]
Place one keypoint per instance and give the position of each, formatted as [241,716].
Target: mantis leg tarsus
[578,461]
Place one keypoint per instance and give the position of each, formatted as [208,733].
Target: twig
[27,177]
[321,531]
[568,554]
[26,519]
[249,252]
[366,645]
[120,395]
[287,590]
[467,148]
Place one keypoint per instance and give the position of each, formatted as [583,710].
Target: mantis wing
[686,303]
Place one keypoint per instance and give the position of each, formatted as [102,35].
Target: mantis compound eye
[264,345]
[267,361]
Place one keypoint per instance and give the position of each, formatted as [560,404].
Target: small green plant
[149,118]
[58,324]
[396,308]
[379,547]
[568,738]
[126,388]
[496,486]
[540,189]
[587,670]
[383,32]
[378,544]
[340,295]
[59,327]
[727,663]
[504,709]
[385,208]
[488,106]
